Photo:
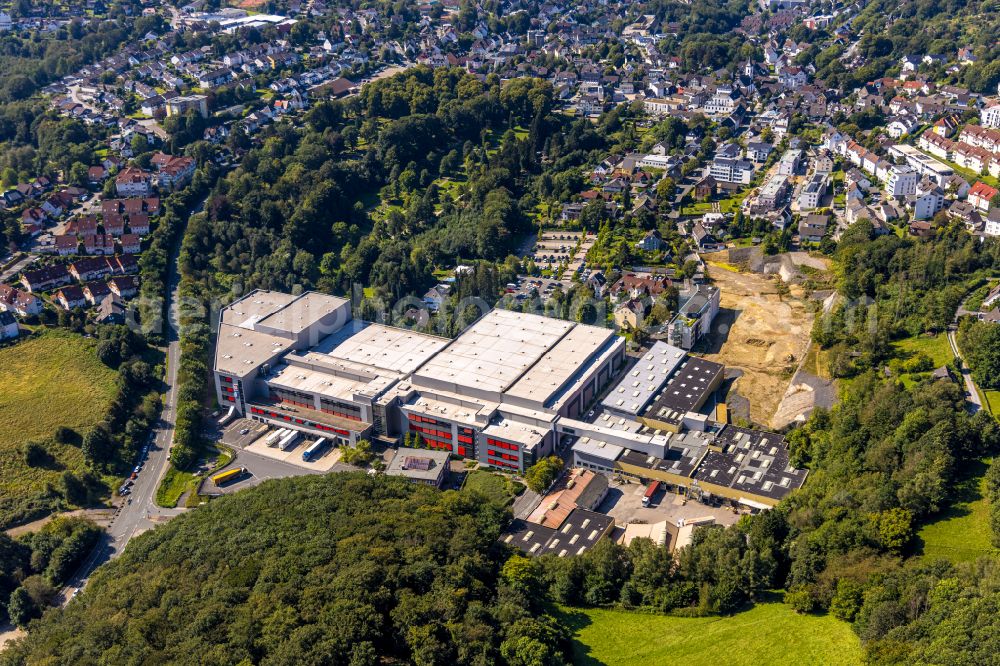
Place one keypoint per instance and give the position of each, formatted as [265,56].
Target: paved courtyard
[624,504]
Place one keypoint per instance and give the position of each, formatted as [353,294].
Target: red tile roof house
[172,171]
[71,297]
[114,225]
[123,264]
[82,226]
[21,302]
[99,244]
[34,216]
[131,244]
[138,223]
[95,292]
[89,268]
[124,286]
[46,278]
[96,175]
[67,244]
[133,182]
[980,196]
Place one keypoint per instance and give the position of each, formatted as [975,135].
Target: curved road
[971,391]
[139,511]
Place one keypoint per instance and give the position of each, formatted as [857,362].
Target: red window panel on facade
[230,398]
[228,380]
[464,439]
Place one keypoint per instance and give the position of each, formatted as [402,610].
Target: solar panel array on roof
[417,463]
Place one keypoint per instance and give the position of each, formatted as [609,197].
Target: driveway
[974,403]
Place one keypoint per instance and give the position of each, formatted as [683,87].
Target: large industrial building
[494,393]
[655,424]
[507,392]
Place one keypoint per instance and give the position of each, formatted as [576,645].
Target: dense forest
[35,566]
[893,287]
[352,569]
[299,213]
[339,569]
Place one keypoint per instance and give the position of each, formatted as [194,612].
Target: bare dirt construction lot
[761,332]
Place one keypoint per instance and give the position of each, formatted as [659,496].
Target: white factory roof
[396,350]
[598,449]
[644,379]
[494,352]
[240,350]
[298,378]
[255,306]
[514,431]
[470,413]
[302,312]
[560,363]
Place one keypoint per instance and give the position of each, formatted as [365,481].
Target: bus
[226,477]
[314,449]
[651,491]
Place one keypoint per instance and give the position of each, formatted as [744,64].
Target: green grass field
[497,487]
[49,380]
[936,347]
[962,533]
[176,482]
[769,633]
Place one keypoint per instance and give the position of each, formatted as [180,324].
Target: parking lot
[261,462]
[527,284]
[624,504]
[329,457]
[553,247]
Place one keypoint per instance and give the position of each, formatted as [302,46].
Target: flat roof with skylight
[644,379]
[688,387]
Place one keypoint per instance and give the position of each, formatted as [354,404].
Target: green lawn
[961,533]
[175,482]
[991,400]
[497,487]
[49,380]
[968,174]
[936,347]
[769,633]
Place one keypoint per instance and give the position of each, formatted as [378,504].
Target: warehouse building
[494,393]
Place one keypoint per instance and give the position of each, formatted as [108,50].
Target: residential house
[43,279]
[133,182]
[123,264]
[172,172]
[88,269]
[71,297]
[124,286]
[436,296]
[981,195]
[103,244]
[704,241]
[813,227]
[110,311]
[22,303]
[95,292]
[651,242]
[66,244]
[629,315]
[8,326]
[697,307]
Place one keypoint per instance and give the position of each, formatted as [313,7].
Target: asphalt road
[17,267]
[139,512]
[971,393]
[259,468]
